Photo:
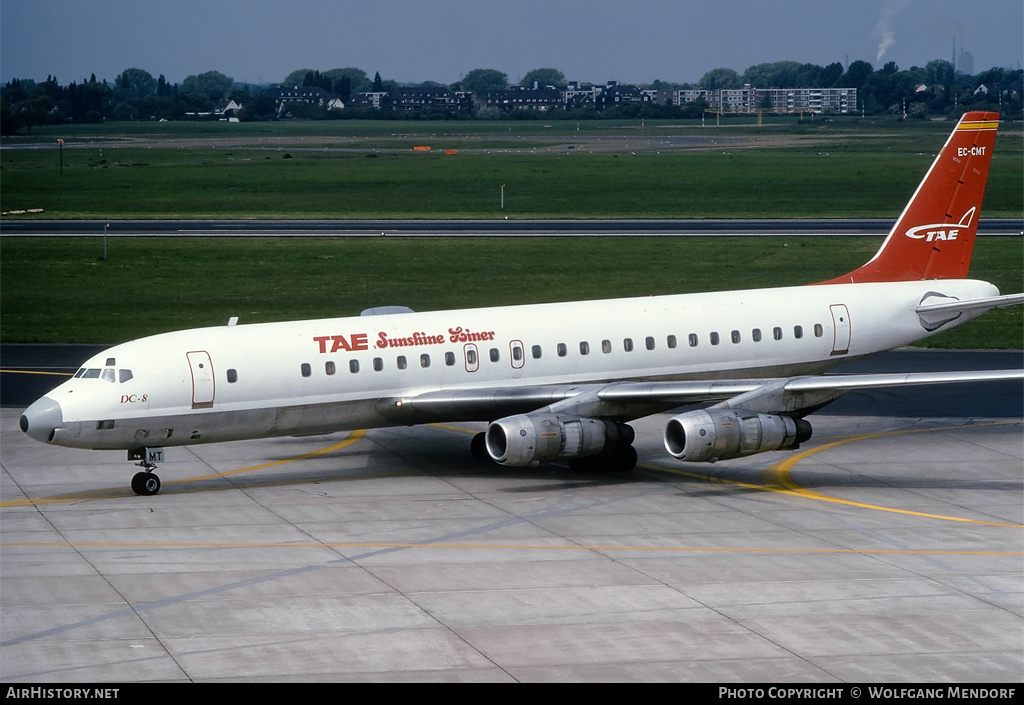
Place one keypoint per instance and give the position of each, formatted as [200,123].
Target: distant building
[308,95]
[520,98]
[369,99]
[809,100]
[776,100]
[966,63]
[614,95]
[578,95]
[227,109]
[421,99]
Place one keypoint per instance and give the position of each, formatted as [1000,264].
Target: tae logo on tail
[941,231]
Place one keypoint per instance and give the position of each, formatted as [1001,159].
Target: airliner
[557,381]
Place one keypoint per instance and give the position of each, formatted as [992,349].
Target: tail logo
[941,231]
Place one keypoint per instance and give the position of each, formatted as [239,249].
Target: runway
[887,549]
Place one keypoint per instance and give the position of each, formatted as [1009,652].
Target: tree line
[935,89]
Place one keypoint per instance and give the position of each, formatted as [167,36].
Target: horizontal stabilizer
[972,304]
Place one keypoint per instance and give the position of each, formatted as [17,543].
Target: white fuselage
[317,376]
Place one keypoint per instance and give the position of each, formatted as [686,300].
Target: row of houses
[576,95]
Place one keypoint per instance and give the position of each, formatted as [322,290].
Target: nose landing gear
[147,482]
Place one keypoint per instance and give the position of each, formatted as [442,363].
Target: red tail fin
[934,236]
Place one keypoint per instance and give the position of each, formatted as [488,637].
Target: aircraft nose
[42,419]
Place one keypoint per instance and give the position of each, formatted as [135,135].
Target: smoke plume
[883,30]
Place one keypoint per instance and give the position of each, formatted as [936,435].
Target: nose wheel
[146,483]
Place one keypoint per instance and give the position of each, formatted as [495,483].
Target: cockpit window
[107,374]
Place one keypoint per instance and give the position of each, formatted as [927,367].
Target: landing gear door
[841,326]
[202,379]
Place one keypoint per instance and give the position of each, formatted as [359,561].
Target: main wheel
[145,484]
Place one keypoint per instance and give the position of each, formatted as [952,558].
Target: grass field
[59,290]
[349,169]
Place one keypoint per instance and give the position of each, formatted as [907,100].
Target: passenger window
[798,332]
[378,364]
[671,342]
[606,346]
[536,352]
[402,364]
[306,369]
[693,340]
[649,342]
[124,375]
[562,350]
[714,338]
[424,360]
[232,376]
[449,359]
[495,355]
[108,375]
[517,353]
[735,336]
[818,330]
[584,348]
[470,356]
[329,367]
[777,333]
[755,335]
[627,345]
[353,366]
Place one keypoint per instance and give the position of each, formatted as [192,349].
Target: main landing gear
[622,459]
[147,482]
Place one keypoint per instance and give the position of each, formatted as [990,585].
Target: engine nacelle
[720,434]
[531,439]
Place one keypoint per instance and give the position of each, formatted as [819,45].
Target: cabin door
[841,326]
[202,379]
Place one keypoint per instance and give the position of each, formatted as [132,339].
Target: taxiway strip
[809,227]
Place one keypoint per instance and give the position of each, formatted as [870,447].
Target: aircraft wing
[624,401]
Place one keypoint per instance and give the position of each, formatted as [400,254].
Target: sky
[410,41]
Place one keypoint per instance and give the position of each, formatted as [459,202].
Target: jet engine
[720,434]
[531,439]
